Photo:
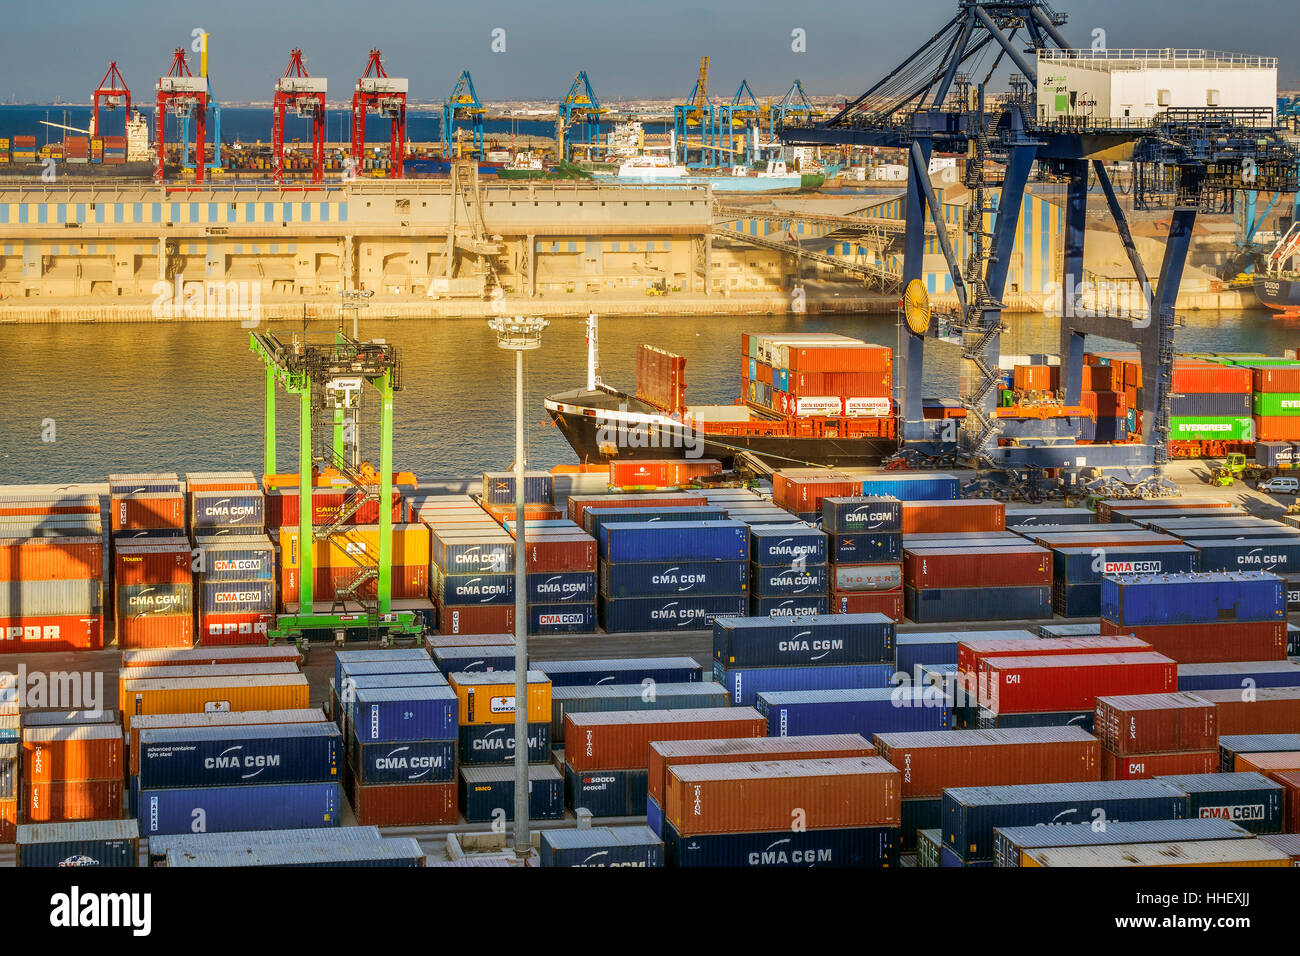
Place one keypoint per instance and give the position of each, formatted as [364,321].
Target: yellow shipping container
[1198,853]
[489,698]
[125,674]
[214,695]
[410,546]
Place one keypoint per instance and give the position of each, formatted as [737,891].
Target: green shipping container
[1272,404]
[1210,428]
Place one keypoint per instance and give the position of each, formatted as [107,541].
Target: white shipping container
[40,598]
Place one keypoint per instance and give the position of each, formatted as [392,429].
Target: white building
[1138,84]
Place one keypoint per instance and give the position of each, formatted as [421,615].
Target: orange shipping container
[946,517]
[1277,427]
[204,695]
[1290,779]
[78,800]
[8,820]
[1036,378]
[750,797]
[1101,378]
[149,510]
[160,671]
[410,545]
[1268,763]
[155,631]
[92,752]
[51,559]
[1273,710]
[1146,766]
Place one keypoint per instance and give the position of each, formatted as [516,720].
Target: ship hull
[1278,293]
[611,435]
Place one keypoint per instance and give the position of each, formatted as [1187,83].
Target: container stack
[607,754]
[788,571]
[866,552]
[1107,396]
[486,709]
[1154,735]
[72,773]
[800,490]
[560,562]
[1210,402]
[539,495]
[1196,618]
[153,592]
[912,487]
[472,574]
[672,575]
[1077,571]
[752,655]
[1276,404]
[24,149]
[342,560]
[661,474]
[10,783]
[234,567]
[729,811]
[51,571]
[817,374]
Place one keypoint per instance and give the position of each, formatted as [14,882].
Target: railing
[1138,57]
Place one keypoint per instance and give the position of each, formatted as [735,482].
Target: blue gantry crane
[697,112]
[795,105]
[742,117]
[463,103]
[936,99]
[579,108]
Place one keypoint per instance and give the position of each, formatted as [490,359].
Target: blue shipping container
[786,546]
[488,793]
[846,846]
[855,711]
[682,613]
[562,618]
[1249,800]
[495,743]
[600,846]
[224,809]
[921,648]
[866,547]
[675,541]
[823,639]
[114,843]
[568,587]
[672,578]
[498,657]
[744,686]
[933,605]
[1234,675]
[235,756]
[1193,598]
[1089,565]
[971,813]
[407,761]
[593,519]
[413,713]
[471,590]
[607,793]
[874,515]
[1280,555]
[912,487]
[811,605]
[399,656]
[634,670]
[1233,744]
[789,582]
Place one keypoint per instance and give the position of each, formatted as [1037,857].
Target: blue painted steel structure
[580,106]
[464,103]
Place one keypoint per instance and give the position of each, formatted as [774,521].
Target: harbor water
[81,401]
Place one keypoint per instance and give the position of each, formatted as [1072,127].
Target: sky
[629,48]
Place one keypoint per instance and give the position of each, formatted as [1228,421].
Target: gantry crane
[579,106]
[463,103]
[184,96]
[794,105]
[930,101]
[213,107]
[112,92]
[306,95]
[697,111]
[745,113]
[385,95]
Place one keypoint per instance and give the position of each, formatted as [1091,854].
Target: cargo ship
[1277,285]
[808,400]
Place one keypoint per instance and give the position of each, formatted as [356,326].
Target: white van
[1280,486]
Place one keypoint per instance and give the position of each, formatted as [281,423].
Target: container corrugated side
[1009,843]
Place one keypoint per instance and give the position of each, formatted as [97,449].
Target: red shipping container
[8,820]
[579,503]
[476,620]
[1105,404]
[620,740]
[235,630]
[162,630]
[964,514]
[52,754]
[888,603]
[864,358]
[405,805]
[52,559]
[327,504]
[1017,565]
[1290,779]
[195,483]
[1101,378]
[1276,379]
[748,797]
[51,632]
[1277,427]
[546,551]
[1145,766]
[48,504]
[1190,377]
[167,562]
[664,754]
[933,760]
[1155,723]
[645,473]
[1112,506]
[149,510]
[1039,378]
[77,800]
[1028,685]
[1268,763]
[1211,643]
[1270,710]
[969,656]
[805,493]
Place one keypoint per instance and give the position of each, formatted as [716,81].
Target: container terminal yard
[1050,618]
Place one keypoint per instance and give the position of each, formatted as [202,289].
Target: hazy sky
[646,48]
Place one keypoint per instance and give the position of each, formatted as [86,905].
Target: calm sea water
[188,397]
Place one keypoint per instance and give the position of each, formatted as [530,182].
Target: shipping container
[744,685]
[970,654]
[620,739]
[272,806]
[970,814]
[111,843]
[1198,854]
[836,847]
[489,698]
[1084,565]
[866,547]
[608,793]
[1231,746]
[1070,681]
[127,675]
[1145,766]
[1193,598]
[213,719]
[66,801]
[593,672]
[899,709]
[1248,799]
[866,515]
[487,794]
[390,852]
[83,752]
[1212,644]
[224,756]
[593,518]
[888,603]
[69,558]
[919,648]
[866,577]
[188,696]
[912,487]
[404,762]
[707,578]
[161,845]
[476,620]
[675,541]
[937,605]
[411,713]
[608,697]
[1155,723]
[786,546]
[562,618]
[474,659]
[576,587]
[1010,843]
[601,846]
[683,612]
[479,744]
[1238,675]
[825,639]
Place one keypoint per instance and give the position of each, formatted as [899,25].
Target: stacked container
[1191,618]
[1077,571]
[257,776]
[977,583]
[10,782]
[52,566]
[800,490]
[830,652]
[72,773]
[788,571]
[607,755]
[560,563]
[486,712]
[646,474]
[153,592]
[338,561]
[850,807]
[672,575]
[817,373]
[472,574]
[865,549]
[236,588]
[1153,735]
